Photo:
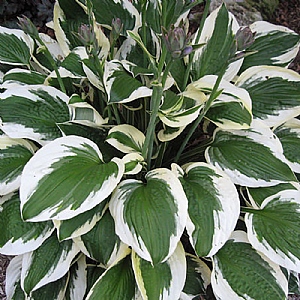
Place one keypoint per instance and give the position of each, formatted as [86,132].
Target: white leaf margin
[177,265]
[221,286]
[290,261]
[116,207]
[224,220]
[258,133]
[40,165]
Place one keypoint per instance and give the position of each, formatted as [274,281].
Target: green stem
[191,57]
[148,144]
[155,103]
[212,97]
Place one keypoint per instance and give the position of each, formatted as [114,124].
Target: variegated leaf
[55,174]
[213,206]
[289,136]
[197,277]
[32,112]
[106,10]
[120,86]
[14,154]
[273,45]
[169,133]
[294,283]
[86,114]
[232,109]
[117,282]
[46,264]
[54,290]
[67,18]
[162,281]
[217,35]
[18,237]
[133,163]
[80,224]
[97,134]
[21,76]
[77,282]
[275,93]
[274,228]
[16,47]
[251,157]
[101,243]
[182,115]
[13,279]
[126,138]
[258,195]
[138,210]
[240,272]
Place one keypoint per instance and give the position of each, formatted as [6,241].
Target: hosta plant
[143,160]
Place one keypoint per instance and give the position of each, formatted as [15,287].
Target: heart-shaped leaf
[161,281]
[138,210]
[214,206]
[51,184]
[18,237]
[240,272]
[274,228]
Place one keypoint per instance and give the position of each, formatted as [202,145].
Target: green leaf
[273,44]
[72,61]
[96,134]
[218,35]
[101,243]
[181,115]
[13,288]
[258,195]
[169,133]
[32,112]
[17,236]
[279,216]
[213,206]
[84,113]
[126,138]
[251,157]
[67,18]
[150,217]
[46,264]
[77,283]
[117,282]
[197,277]
[15,47]
[240,272]
[106,10]
[232,109]
[275,93]
[161,281]
[22,76]
[120,86]
[56,174]
[289,136]
[14,154]
[53,290]
[81,224]
[294,283]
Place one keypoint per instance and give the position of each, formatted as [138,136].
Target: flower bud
[116,26]
[176,40]
[28,27]
[86,35]
[244,38]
